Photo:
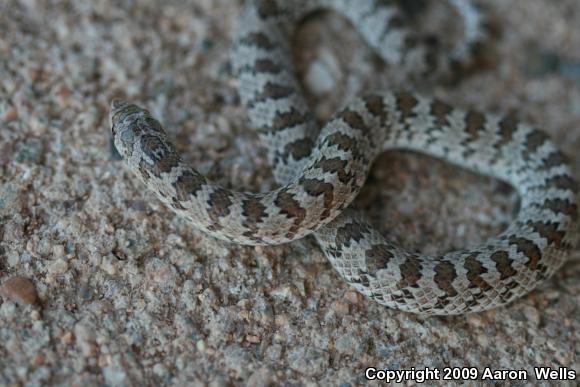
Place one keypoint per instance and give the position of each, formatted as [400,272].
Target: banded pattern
[321,173]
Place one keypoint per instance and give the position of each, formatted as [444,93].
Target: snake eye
[128,134]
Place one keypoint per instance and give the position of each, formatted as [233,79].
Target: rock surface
[130,294]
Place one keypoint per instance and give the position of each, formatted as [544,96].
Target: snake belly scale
[321,172]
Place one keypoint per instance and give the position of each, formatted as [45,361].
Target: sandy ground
[126,293]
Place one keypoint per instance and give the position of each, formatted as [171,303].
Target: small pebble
[340,308]
[532,315]
[10,199]
[319,79]
[308,361]
[20,290]
[10,115]
[109,264]
[541,62]
[253,339]
[67,338]
[58,267]
[6,152]
[115,375]
[570,69]
[39,360]
[85,339]
[352,296]
[262,377]
[35,315]
[58,251]
[30,151]
[206,44]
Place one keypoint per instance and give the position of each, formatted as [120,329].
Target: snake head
[128,123]
[141,140]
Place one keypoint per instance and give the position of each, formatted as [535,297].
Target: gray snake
[321,172]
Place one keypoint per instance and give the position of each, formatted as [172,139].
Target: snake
[320,169]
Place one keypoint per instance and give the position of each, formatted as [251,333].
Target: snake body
[321,172]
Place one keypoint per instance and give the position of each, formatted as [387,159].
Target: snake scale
[321,171]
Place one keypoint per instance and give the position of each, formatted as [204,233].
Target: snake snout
[124,119]
[121,109]
[117,104]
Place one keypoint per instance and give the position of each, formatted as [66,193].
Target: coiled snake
[320,173]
